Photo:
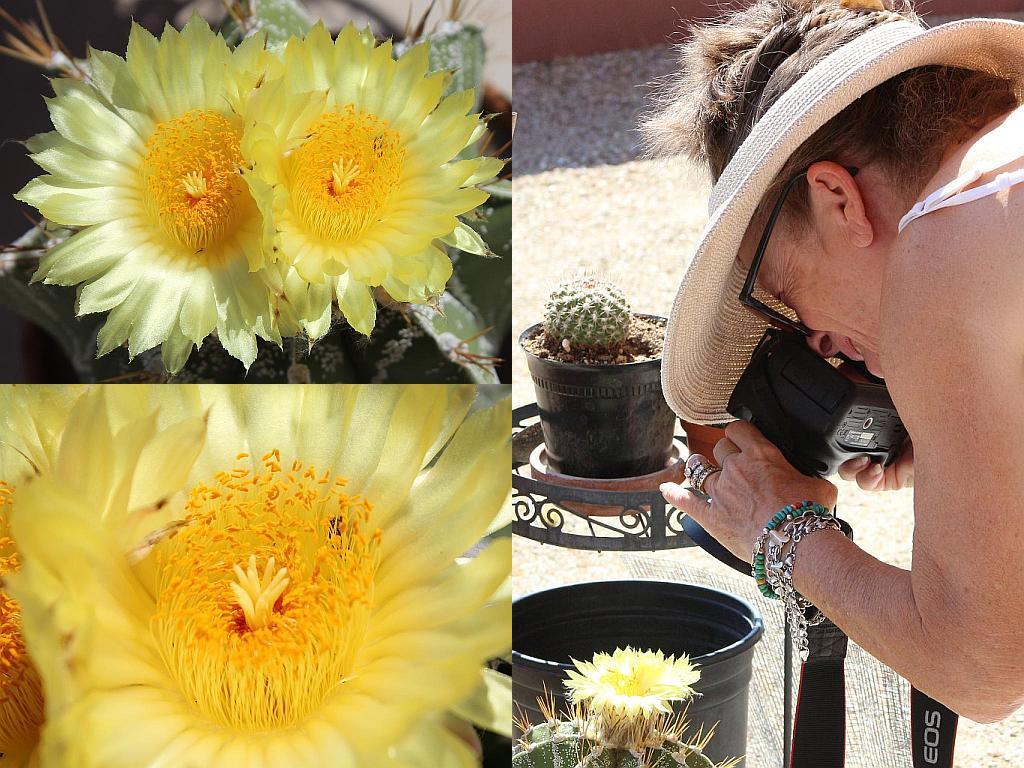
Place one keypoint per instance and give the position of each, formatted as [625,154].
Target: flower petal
[356,303]
[451,504]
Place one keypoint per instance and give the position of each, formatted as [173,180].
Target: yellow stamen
[262,646]
[344,174]
[21,695]
[191,178]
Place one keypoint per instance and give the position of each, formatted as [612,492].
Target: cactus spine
[587,312]
[558,744]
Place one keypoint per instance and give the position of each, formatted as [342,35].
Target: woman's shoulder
[975,225]
[967,258]
[997,147]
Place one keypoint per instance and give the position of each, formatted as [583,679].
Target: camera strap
[819,723]
[932,731]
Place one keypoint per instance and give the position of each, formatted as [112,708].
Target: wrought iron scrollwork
[674,521]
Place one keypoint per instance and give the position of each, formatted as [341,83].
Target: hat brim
[710,336]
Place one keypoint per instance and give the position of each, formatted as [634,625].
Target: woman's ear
[836,200]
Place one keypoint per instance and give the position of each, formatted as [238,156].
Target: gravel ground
[584,202]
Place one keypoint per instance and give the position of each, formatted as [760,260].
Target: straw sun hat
[711,335]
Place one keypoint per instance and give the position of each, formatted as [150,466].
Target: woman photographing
[892,158]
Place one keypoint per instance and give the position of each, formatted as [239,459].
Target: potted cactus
[596,369]
[620,717]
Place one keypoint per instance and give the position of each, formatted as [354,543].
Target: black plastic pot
[716,629]
[602,420]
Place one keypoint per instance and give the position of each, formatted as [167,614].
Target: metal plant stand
[543,510]
[643,521]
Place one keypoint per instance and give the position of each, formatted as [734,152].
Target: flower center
[261,646]
[191,177]
[21,696]
[257,596]
[344,173]
[629,681]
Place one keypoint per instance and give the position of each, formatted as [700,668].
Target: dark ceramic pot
[607,421]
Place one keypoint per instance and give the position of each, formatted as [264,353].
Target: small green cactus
[560,745]
[587,312]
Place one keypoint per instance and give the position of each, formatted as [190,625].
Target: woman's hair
[734,69]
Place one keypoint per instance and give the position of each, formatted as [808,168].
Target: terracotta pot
[540,469]
[701,438]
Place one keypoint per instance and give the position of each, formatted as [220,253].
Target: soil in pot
[603,419]
[645,342]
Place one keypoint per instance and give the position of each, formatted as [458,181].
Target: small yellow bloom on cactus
[628,687]
[632,681]
[621,717]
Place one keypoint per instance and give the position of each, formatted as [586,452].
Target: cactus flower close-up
[260,576]
[353,159]
[144,160]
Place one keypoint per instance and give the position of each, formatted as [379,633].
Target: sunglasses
[774,318]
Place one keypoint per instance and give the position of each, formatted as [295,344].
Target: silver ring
[698,473]
[698,485]
[692,467]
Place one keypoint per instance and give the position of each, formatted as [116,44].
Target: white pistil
[195,184]
[256,595]
[344,173]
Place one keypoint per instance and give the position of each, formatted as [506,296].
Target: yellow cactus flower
[632,681]
[628,692]
[353,161]
[145,159]
[265,576]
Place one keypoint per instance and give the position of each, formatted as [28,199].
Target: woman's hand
[756,481]
[871,476]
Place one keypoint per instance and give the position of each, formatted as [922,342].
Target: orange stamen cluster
[343,175]
[265,594]
[21,696]
[191,176]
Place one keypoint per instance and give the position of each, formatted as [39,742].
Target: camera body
[814,414]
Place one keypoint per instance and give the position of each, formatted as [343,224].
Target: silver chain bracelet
[780,547]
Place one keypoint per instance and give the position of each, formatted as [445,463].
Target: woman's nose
[822,343]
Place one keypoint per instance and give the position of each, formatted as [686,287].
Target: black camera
[817,416]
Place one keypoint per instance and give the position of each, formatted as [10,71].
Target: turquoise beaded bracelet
[789,512]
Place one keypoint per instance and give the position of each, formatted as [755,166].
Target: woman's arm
[953,351]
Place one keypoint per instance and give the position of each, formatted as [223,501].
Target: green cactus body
[459,48]
[559,745]
[587,312]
